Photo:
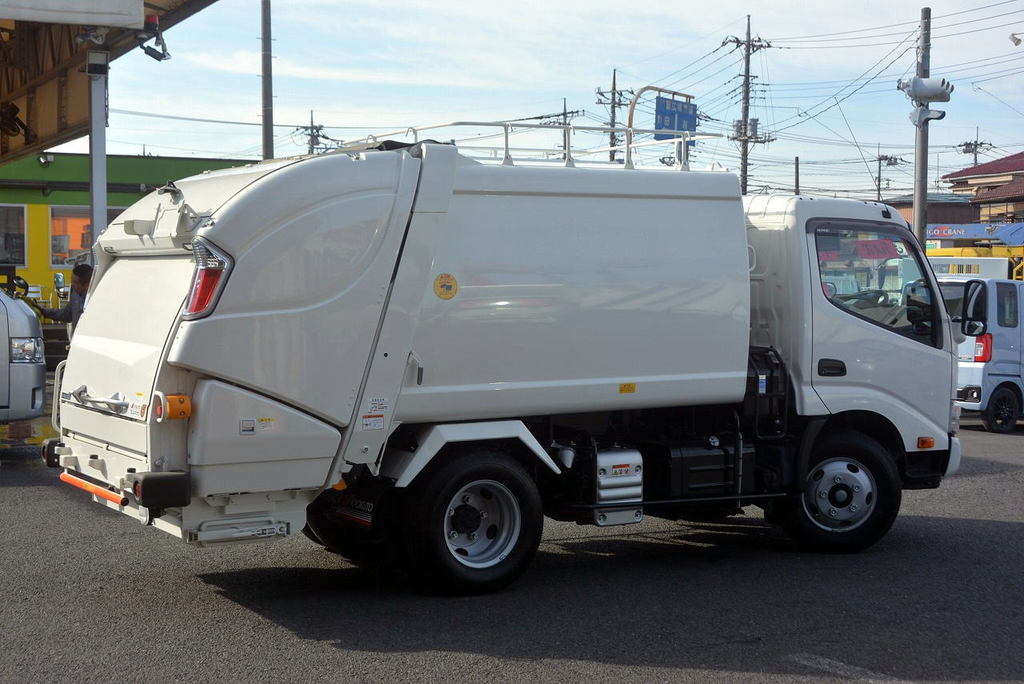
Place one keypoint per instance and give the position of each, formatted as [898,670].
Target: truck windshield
[876,275]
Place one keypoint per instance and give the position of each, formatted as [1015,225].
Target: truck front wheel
[475,523]
[850,498]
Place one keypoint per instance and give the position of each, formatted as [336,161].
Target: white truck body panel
[556,279]
[278,444]
[326,235]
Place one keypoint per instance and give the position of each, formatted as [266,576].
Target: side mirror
[58,281]
[973,328]
[20,283]
[973,317]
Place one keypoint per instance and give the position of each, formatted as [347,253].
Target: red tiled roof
[1014,190]
[1015,162]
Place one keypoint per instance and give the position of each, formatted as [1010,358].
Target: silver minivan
[989,376]
[23,389]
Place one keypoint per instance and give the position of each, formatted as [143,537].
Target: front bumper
[27,391]
[925,469]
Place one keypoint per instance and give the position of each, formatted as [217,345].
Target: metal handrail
[679,139]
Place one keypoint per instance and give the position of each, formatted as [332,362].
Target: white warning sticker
[378,405]
[373,421]
[137,408]
[266,425]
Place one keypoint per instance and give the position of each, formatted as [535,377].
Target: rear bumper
[27,391]
[969,397]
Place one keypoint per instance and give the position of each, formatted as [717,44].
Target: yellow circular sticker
[445,286]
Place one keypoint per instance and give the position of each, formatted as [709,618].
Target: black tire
[1003,411]
[850,498]
[491,508]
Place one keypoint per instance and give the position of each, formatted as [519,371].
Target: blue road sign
[674,115]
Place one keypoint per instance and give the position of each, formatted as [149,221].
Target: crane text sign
[674,115]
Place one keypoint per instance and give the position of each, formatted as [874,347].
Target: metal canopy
[44,90]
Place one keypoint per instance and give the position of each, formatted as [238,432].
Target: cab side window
[1006,302]
[875,275]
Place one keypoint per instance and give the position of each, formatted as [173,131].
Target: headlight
[27,350]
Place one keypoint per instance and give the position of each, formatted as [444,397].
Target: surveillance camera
[1014,38]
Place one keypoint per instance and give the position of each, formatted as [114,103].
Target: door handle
[831,368]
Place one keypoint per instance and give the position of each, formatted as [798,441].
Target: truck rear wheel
[850,498]
[1002,412]
[474,523]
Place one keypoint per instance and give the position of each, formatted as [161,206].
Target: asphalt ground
[91,595]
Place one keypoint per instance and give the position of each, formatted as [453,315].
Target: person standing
[72,311]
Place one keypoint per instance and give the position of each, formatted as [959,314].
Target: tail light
[983,348]
[211,272]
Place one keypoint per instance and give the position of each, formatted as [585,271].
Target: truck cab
[989,379]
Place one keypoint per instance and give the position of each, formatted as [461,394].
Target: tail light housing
[983,348]
[208,279]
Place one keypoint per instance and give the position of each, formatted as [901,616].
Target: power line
[886,35]
[853,92]
[902,23]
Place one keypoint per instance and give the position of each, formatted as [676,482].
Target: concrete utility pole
[921,144]
[974,146]
[923,90]
[614,99]
[889,160]
[796,179]
[268,85]
[745,130]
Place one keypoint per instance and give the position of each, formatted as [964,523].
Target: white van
[23,390]
[416,352]
[989,379]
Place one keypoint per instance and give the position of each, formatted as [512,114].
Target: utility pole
[889,160]
[565,116]
[745,130]
[317,140]
[921,142]
[614,99]
[922,91]
[975,146]
[796,180]
[268,85]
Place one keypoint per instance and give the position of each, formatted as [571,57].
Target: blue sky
[826,89]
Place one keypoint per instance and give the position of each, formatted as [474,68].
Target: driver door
[880,348]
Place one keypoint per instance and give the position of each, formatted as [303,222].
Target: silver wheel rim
[840,495]
[482,524]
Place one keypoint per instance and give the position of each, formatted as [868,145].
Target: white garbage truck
[411,355]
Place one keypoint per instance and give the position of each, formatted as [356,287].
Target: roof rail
[677,139]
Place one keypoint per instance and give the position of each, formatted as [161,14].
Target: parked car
[989,375]
[22,392]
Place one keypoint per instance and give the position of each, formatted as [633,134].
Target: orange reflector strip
[341,486]
[925,442]
[178,406]
[119,499]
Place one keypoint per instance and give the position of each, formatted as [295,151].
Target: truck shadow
[669,599]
